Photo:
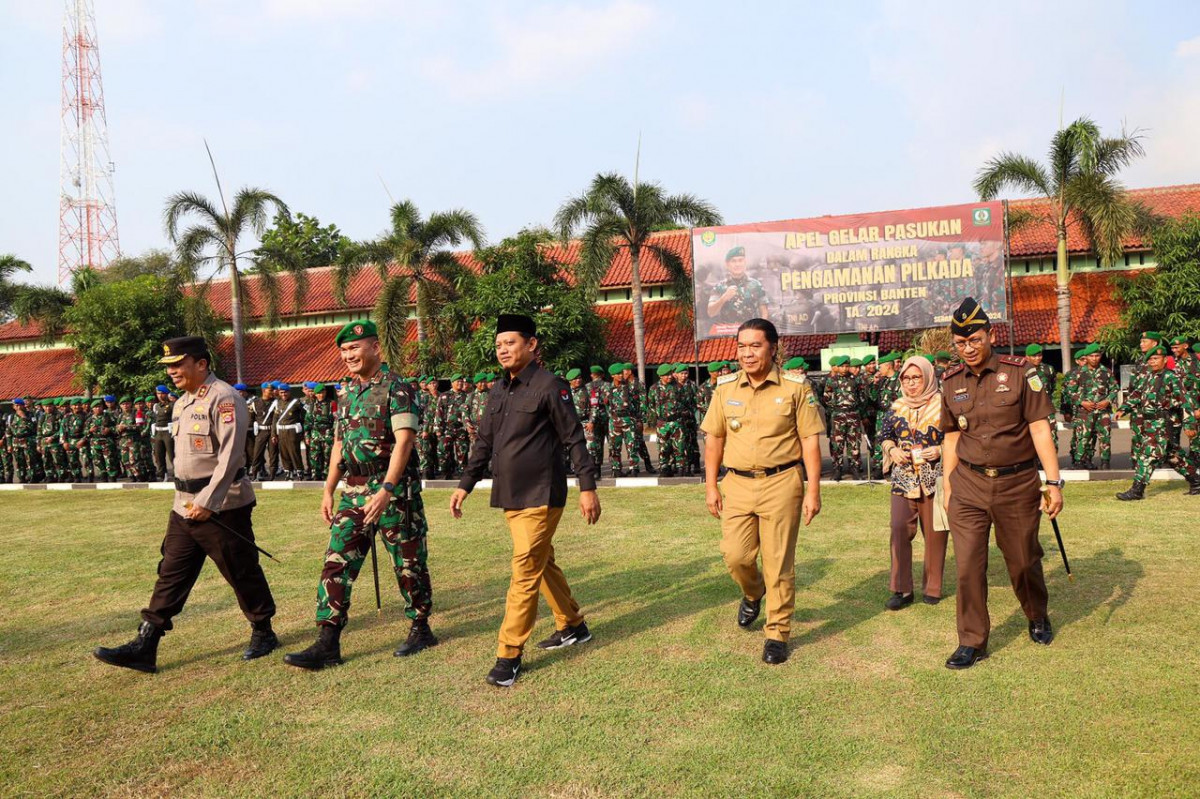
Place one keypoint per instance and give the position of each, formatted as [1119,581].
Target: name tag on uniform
[732,402]
[1001,388]
[961,397]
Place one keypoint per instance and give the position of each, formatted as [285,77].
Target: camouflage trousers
[595,442]
[54,461]
[77,460]
[877,444]
[317,448]
[130,461]
[26,466]
[690,431]
[104,458]
[622,437]
[1089,432]
[452,450]
[670,447]
[427,451]
[1053,420]
[845,437]
[403,529]
[1158,449]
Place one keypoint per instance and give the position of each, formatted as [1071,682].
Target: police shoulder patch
[729,378]
[953,370]
[1013,360]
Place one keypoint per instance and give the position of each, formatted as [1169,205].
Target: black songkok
[516,323]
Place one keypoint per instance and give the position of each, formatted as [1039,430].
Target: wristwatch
[389,487]
[1058,483]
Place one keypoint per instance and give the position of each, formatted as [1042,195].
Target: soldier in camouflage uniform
[866,378]
[1186,368]
[49,441]
[643,397]
[476,402]
[1049,378]
[1094,392]
[427,439]
[842,403]
[125,426]
[75,442]
[884,389]
[595,420]
[666,410]
[1149,340]
[448,416]
[1149,406]
[100,432]
[738,297]
[319,421]
[5,456]
[373,448]
[22,443]
[622,429]
[689,423]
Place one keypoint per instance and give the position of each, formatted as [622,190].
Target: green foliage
[118,328]
[300,240]
[159,263]
[9,266]
[517,277]
[1166,299]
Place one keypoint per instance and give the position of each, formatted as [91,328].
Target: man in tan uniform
[762,424]
[994,416]
[211,513]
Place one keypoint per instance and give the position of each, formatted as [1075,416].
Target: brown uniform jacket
[993,410]
[209,428]
[762,427]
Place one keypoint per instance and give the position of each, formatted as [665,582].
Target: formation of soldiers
[74,439]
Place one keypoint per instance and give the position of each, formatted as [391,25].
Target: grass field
[669,699]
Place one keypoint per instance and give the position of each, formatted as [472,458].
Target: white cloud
[548,44]
[1188,48]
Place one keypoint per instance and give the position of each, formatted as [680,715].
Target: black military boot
[262,641]
[326,651]
[837,473]
[140,654]
[1193,486]
[1136,491]
[419,637]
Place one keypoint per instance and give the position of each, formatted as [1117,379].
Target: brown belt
[770,470]
[1000,471]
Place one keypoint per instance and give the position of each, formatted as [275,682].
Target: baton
[1061,550]
[375,571]
[213,518]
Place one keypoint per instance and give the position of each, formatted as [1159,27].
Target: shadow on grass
[852,607]
[1104,582]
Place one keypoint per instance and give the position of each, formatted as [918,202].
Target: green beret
[855,362]
[1151,334]
[126,399]
[736,252]
[715,366]
[615,369]
[97,403]
[839,360]
[891,356]
[680,367]
[929,357]
[479,377]
[597,370]
[664,370]
[454,378]
[1033,349]
[571,374]
[1079,353]
[1180,340]
[491,376]
[791,363]
[868,359]
[319,387]
[1196,347]
[354,331]
[1091,349]
[941,355]
[1159,350]
[801,364]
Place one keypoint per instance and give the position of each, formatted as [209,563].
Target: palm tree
[221,231]
[615,214]
[9,266]
[1083,191]
[414,252]
[47,306]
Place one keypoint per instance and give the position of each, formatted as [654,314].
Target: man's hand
[712,498]
[729,294]
[811,507]
[946,493]
[197,513]
[376,505]
[1052,501]
[899,455]
[589,506]
[327,507]
[456,502]
[1088,405]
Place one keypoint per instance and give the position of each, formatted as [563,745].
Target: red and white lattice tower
[87,222]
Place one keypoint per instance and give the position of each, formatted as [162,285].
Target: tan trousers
[534,569]
[905,513]
[763,516]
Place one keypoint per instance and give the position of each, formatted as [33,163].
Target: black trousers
[264,449]
[184,549]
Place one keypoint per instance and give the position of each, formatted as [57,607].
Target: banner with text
[896,270]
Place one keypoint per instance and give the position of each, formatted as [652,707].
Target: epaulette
[795,378]
[953,370]
[729,378]
[1013,360]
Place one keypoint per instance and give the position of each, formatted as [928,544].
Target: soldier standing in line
[427,440]
[622,424]
[289,427]
[994,410]
[22,430]
[5,453]
[99,435]
[595,421]
[1035,355]
[160,431]
[866,380]
[442,413]
[704,393]
[689,424]
[54,461]
[461,437]
[374,450]
[1181,349]
[210,426]
[640,392]
[319,420]
[666,411]
[842,404]
[126,429]
[1097,396]
[72,431]
[258,437]
[941,362]
[738,296]
[885,390]
[1149,406]
[1148,341]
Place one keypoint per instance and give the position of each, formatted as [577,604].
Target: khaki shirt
[993,410]
[209,428]
[762,427]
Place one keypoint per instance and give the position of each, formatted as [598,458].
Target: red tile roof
[39,373]
[15,331]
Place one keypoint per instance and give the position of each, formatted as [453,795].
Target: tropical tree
[414,253]
[615,214]
[293,245]
[47,306]
[1082,191]
[9,266]
[219,233]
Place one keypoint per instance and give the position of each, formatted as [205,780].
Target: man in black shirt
[529,419]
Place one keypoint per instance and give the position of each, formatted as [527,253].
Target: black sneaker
[567,636]
[504,673]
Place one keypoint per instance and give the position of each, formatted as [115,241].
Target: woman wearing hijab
[912,451]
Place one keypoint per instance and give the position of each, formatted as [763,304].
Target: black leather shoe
[930,600]
[262,642]
[748,611]
[420,637]
[965,657]
[898,601]
[1040,632]
[775,652]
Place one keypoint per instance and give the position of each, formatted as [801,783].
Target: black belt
[756,473]
[1000,471]
[201,483]
[364,469]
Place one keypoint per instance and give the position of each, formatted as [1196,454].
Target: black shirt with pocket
[527,422]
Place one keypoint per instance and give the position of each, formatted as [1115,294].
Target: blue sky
[771,110]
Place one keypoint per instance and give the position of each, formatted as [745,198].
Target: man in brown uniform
[289,426]
[211,513]
[762,424]
[994,416]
